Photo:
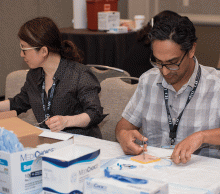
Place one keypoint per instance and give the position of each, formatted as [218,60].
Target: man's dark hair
[180,30]
[142,34]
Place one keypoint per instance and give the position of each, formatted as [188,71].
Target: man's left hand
[184,149]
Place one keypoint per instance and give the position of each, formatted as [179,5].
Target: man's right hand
[126,134]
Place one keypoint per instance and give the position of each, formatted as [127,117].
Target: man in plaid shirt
[177,103]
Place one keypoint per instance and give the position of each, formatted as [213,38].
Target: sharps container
[95,6]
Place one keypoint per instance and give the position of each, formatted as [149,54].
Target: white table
[200,175]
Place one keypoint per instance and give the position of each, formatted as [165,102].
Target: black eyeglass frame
[161,65]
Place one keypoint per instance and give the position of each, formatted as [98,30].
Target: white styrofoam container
[65,170]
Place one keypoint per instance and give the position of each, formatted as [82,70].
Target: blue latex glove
[9,141]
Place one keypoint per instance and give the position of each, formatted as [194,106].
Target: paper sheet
[53,135]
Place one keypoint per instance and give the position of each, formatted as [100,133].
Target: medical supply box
[124,183]
[118,30]
[21,172]
[95,6]
[65,170]
[108,20]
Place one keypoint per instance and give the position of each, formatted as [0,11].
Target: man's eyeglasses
[25,49]
[171,66]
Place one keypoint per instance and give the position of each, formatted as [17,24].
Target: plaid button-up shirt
[147,109]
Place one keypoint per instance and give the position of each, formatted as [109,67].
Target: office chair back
[115,94]
[102,72]
[14,82]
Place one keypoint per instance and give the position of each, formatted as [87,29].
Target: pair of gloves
[9,141]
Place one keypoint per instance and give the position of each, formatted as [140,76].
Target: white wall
[139,7]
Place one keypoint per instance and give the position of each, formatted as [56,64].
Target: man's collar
[192,79]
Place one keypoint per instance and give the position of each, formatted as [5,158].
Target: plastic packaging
[9,141]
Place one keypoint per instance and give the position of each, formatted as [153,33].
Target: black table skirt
[100,47]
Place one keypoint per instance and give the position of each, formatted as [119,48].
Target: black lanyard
[173,128]
[50,97]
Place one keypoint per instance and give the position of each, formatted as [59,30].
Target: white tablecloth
[199,176]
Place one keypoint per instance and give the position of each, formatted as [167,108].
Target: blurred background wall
[13,13]
[204,14]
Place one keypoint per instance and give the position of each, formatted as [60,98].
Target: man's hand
[126,134]
[127,142]
[184,149]
[56,123]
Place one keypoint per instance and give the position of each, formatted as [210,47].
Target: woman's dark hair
[42,31]
[143,33]
[180,30]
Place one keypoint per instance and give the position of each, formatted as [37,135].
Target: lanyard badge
[173,128]
[50,97]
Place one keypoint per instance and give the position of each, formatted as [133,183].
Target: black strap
[50,97]
[173,128]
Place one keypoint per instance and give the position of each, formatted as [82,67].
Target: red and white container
[95,6]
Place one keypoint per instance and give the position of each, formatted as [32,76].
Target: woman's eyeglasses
[171,66]
[25,49]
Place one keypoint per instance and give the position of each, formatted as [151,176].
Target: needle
[143,146]
[164,157]
[42,121]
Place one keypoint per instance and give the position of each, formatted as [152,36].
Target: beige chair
[114,96]
[102,72]
[14,81]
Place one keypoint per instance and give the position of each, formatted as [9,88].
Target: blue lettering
[28,157]
[101,187]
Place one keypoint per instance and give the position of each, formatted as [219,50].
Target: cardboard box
[21,172]
[108,20]
[101,184]
[128,23]
[65,170]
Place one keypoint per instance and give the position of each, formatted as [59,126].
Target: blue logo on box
[3,162]
[26,166]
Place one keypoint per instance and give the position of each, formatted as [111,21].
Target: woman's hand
[57,123]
